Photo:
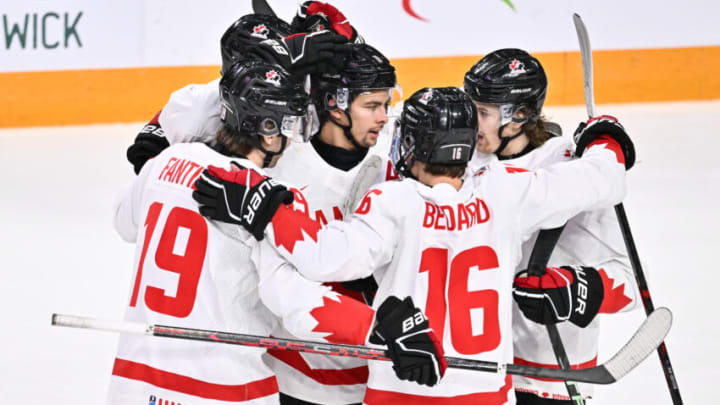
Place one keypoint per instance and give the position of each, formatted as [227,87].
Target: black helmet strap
[504,141]
[269,155]
[347,129]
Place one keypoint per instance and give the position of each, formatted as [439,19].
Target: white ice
[62,255]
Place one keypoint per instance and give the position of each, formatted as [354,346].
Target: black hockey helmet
[437,126]
[244,34]
[262,99]
[510,78]
[365,69]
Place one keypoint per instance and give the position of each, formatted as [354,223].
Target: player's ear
[339,115]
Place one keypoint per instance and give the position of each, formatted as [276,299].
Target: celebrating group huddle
[280,200]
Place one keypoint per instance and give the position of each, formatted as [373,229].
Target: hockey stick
[585,52]
[643,342]
[539,258]
[262,7]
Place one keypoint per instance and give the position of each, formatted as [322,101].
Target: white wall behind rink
[138,33]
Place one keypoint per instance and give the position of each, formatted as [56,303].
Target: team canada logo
[273,77]
[516,68]
[426,97]
[260,31]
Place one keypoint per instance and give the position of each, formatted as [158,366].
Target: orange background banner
[77,97]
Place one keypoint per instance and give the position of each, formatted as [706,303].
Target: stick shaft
[647,301]
[595,375]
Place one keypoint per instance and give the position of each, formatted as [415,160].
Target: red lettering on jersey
[177,170]
[450,217]
[320,218]
[429,218]
[463,220]
[337,214]
[390,173]
[191,182]
[439,219]
[484,213]
[290,226]
[463,216]
[171,163]
[364,206]
[615,298]
[346,320]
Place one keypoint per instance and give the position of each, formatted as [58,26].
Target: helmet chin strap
[346,130]
[269,155]
[504,141]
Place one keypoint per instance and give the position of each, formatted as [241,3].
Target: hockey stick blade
[587,63]
[262,7]
[645,340]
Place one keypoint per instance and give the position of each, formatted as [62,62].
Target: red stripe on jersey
[523,362]
[192,386]
[347,376]
[377,397]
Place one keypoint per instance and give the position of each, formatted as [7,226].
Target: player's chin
[371,139]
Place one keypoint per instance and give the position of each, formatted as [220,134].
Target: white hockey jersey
[191,272]
[192,114]
[591,238]
[326,189]
[454,252]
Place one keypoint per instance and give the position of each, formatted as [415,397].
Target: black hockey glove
[595,127]
[306,53]
[243,197]
[416,353]
[317,16]
[571,293]
[148,144]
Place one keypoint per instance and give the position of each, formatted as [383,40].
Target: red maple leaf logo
[615,298]
[346,320]
[290,225]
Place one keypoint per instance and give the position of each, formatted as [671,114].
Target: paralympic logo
[408,9]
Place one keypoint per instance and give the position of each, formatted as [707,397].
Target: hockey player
[327,170]
[194,273]
[508,87]
[193,112]
[352,107]
[447,240]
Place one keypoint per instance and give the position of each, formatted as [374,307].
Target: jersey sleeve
[127,205]
[192,114]
[341,251]
[308,309]
[548,197]
[594,238]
